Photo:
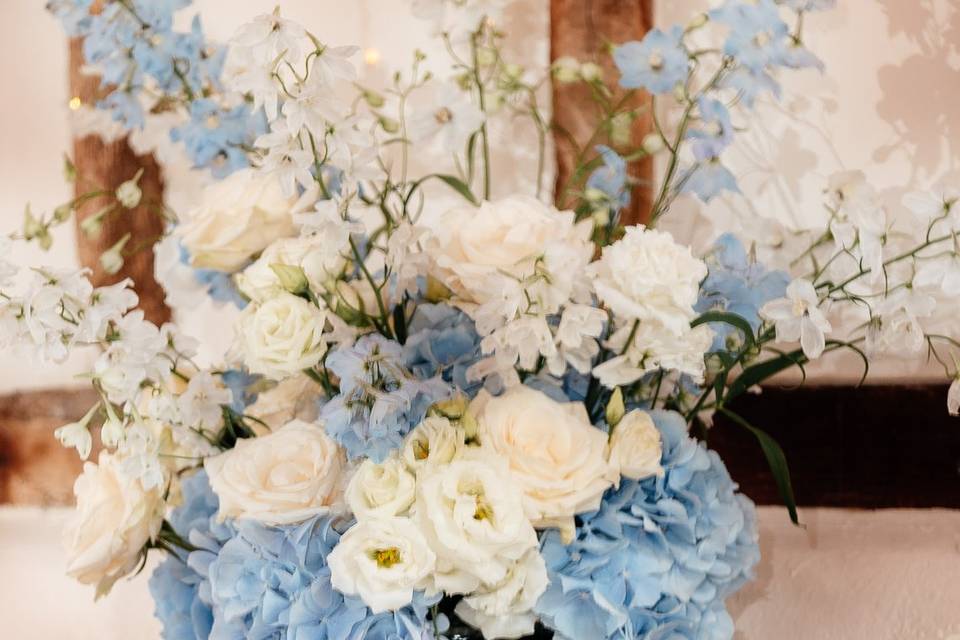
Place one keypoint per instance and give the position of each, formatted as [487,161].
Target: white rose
[320,265]
[381,490]
[647,276]
[635,446]
[505,610]
[555,456]
[382,560]
[282,337]
[289,476]
[115,517]
[473,518]
[433,441]
[237,218]
[294,397]
[507,236]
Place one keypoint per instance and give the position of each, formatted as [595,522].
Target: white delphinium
[7,269]
[200,404]
[798,317]
[647,347]
[270,36]
[380,490]
[405,256]
[383,561]
[107,304]
[449,119]
[135,354]
[859,223]
[942,271]
[506,609]
[457,18]
[77,434]
[895,328]
[937,208]
[286,158]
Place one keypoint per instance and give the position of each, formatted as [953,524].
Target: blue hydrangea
[379,400]
[274,582]
[443,341]
[739,285]
[709,179]
[657,63]
[659,557]
[611,178]
[175,585]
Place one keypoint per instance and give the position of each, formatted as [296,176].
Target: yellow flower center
[386,558]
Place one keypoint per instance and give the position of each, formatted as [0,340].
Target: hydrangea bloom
[659,556]
[738,285]
[379,400]
[656,63]
[443,341]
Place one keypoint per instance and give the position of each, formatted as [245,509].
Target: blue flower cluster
[379,401]
[134,46]
[443,341]
[658,63]
[181,593]
[659,557]
[611,179]
[739,285]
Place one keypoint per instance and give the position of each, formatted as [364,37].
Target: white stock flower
[473,519]
[114,518]
[237,217]
[554,455]
[434,441]
[798,317]
[647,276]
[285,477]
[382,560]
[380,490]
[505,610]
[293,397]
[953,397]
[282,337]
[635,446]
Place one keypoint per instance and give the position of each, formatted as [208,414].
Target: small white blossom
[200,404]
[450,119]
[798,317]
[77,434]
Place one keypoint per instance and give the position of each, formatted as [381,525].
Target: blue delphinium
[738,285]
[611,178]
[240,382]
[657,63]
[709,179]
[175,585]
[443,341]
[215,136]
[274,582]
[758,35]
[716,132]
[218,284]
[659,556]
[379,401]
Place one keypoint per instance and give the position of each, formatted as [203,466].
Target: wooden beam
[107,165]
[583,29]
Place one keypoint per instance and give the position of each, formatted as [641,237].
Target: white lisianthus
[505,610]
[434,441]
[473,519]
[114,518]
[555,456]
[647,276]
[382,560]
[507,237]
[289,476]
[636,447]
[381,490]
[294,397]
[237,217]
[320,264]
[282,337]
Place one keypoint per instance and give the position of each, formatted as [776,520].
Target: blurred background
[886,104]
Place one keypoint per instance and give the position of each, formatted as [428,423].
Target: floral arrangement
[477,419]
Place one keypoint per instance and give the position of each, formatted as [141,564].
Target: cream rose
[283,336]
[635,446]
[289,476]
[473,519]
[294,397]
[115,517]
[433,441]
[320,265]
[237,218]
[382,560]
[507,236]
[555,456]
[381,490]
[506,610]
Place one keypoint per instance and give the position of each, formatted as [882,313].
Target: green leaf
[457,185]
[761,371]
[777,461]
[734,320]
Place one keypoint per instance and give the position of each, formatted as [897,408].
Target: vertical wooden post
[107,165]
[582,28]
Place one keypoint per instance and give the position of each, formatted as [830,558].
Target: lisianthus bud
[291,278]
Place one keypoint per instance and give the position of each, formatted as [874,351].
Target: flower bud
[591,72]
[566,69]
[129,193]
[615,408]
[112,259]
[291,278]
[652,143]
